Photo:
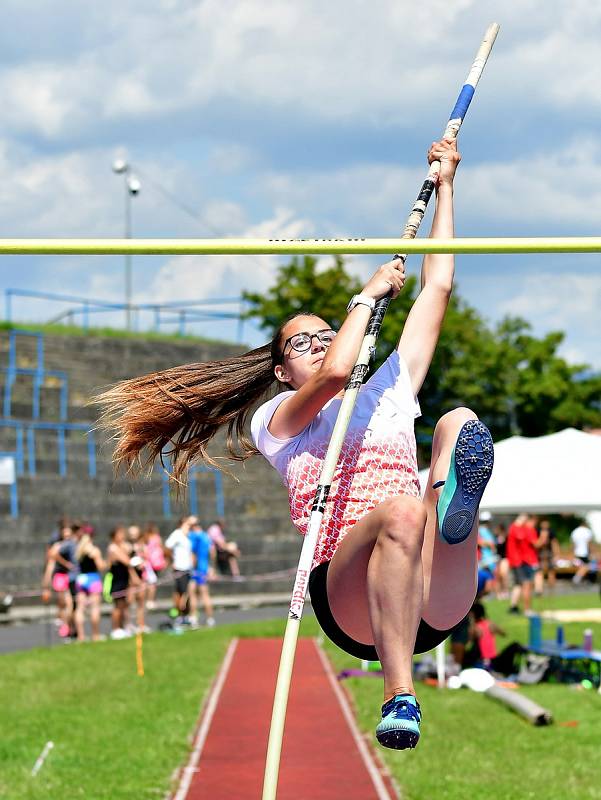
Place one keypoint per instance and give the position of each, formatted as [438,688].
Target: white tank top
[378,458]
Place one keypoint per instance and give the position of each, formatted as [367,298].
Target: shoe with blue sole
[399,727]
[470,470]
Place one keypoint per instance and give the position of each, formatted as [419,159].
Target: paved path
[324,757]
[26,635]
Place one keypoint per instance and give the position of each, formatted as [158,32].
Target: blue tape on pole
[463,102]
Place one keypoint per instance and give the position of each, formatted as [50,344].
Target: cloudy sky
[264,118]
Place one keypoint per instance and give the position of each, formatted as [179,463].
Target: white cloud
[558,298]
[195,90]
[379,62]
[562,300]
[205,276]
[543,192]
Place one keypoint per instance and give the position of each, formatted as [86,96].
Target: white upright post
[440,665]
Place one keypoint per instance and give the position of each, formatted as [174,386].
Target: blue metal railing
[178,312]
[29,429]
[38,373]
[193,505]
[26,429]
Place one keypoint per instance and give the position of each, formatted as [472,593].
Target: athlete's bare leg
[450,570]
[375,586]
[393,569]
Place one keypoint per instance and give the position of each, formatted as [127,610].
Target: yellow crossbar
[240,247]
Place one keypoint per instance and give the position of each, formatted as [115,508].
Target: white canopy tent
[557,473]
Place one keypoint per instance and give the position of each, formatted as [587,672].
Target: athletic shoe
[399,727]
[119,633]
[469,472]
[210,622]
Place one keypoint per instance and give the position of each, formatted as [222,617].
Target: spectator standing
[122,574]
[138,590]
[228,553]
[178,550]
[155,559]
[521,572]
[60,563]
[203,553]
[548,553]
[530,559]
[502,572]
[89,584]
[581,541]
[76,534]
[487,554]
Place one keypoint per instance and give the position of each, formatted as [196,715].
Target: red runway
[323,755]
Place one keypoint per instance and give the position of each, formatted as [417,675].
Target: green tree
[514,381]
[300,287]
[548,393]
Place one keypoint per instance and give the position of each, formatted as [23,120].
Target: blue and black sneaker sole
[398,740]
[470,470]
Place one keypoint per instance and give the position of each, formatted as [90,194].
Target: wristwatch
[360,300]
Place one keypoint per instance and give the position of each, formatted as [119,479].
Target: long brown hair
[182,408]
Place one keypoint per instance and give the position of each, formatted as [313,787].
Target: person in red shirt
[530,560]
[483,652]
[483,634]
[522,555]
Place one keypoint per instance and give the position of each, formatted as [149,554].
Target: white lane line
[370,765]
[206,716]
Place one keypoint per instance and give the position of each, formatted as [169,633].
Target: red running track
[323,756]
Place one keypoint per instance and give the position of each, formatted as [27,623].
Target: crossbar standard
[241,247]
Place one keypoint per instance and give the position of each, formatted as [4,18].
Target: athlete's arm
[424,321]
[298,410]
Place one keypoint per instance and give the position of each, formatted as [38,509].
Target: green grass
[114,333]
[120,736]
[115,735]
[472,747]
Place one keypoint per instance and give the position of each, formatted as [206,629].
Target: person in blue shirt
[203,553]
[487,554]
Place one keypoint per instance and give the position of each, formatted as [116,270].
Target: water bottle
[587,644]
[560,637]
[535,633]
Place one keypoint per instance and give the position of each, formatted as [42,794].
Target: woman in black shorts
[122,575]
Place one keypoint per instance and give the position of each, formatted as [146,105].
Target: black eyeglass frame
[311,336]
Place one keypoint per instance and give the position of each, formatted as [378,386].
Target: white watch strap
[361,300]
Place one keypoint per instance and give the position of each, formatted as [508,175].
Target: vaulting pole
[299,591]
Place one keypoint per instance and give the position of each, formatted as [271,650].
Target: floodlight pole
[128,270]
[132,187]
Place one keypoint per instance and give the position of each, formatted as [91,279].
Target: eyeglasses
[301,342]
